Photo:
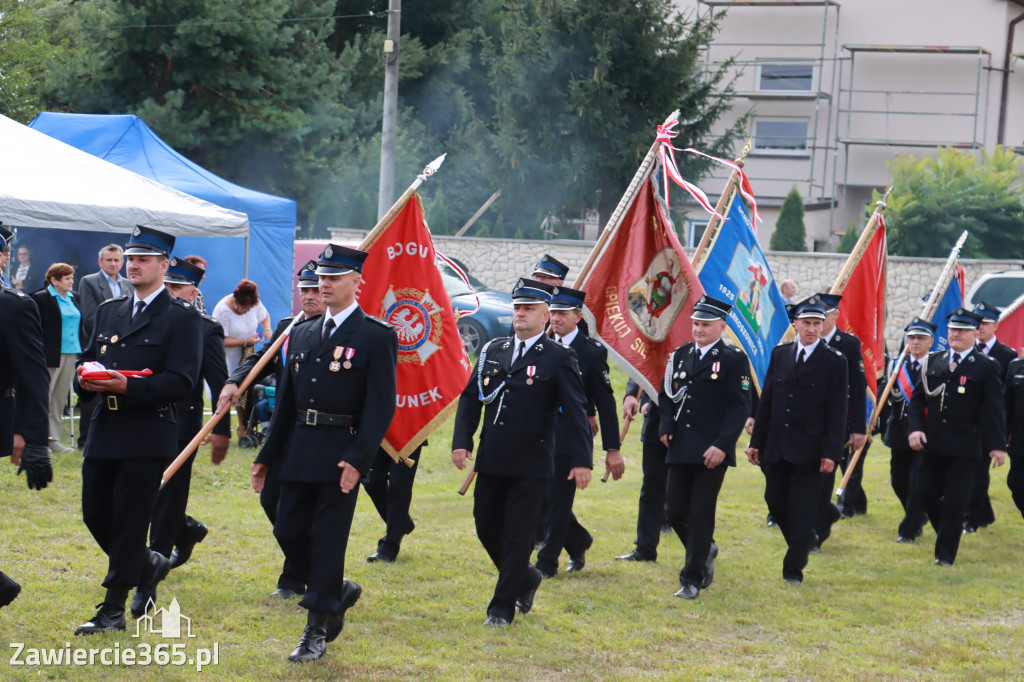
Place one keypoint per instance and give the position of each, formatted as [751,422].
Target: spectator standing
[241,314]
[26,275]
[788,290]
[62,340]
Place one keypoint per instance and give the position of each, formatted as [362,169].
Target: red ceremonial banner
[862,310]
[641,291]
[403,286]
[1011,327]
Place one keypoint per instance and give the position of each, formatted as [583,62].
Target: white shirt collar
[529,344]
[568,338]
[701,350]
[807,349]
[148,299]
[339,318]
[114,286]
[986,348]
[827,338]
[963,353]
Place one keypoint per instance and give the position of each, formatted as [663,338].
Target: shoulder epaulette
[16,292]
[595,342]
[123,297]
[379,321]
[835,350]
[210,318]
[183,303]
[308,319]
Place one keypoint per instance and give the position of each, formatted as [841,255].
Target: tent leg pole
[245,263]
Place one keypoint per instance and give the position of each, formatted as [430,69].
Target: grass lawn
[868,609]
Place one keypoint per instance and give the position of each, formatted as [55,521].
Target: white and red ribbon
[462,275]
[667,155]
[743,185]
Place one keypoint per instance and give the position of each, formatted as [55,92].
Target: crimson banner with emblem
[402,286]
[641,291]
[862,310]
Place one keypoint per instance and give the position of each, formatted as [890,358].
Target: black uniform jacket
[897,432]
[274,365]
[857,407]
[166,337]
[801,416]
[1004,355]
[652,421]
[592,357]
[518,435]
[213,371]
[715,406]
[960,423]
[23,372]
[1013,396]
[314,379]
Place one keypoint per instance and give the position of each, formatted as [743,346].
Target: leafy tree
[790,233]
[849,240]
[28,44]
[936,198]
[437,214]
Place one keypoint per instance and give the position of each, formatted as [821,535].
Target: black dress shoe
[381,557]
[635,555]
[108,617]
[285,593]
[143,600]
[793,581]
[904,539]
[155,569]
[709,568]
[688,592]
[943,563]
[496,621]
[336,621]
[769,521]
[576,563]
[312,644]
[547,573]
[969,528]
[190,536]
[9,589]
[525,601]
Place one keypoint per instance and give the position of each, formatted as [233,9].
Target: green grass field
[868,609]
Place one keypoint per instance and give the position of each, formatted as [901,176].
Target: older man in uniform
[332,411]
[519,384]
[704,402]
[979,507]
[564,530]
[1013,396]
[799,431]
[289,583]
[134,430]
[957,418]
[904,465]
[24,429]
[170,526]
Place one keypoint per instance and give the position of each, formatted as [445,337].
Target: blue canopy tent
[128,142]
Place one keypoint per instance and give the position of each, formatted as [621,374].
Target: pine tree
[849,240]
[790,233]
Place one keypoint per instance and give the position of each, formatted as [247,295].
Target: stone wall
[500,262]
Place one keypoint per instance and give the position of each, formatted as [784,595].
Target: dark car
[493,319]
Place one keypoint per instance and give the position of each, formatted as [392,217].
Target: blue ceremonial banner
[952,299]
[735,270]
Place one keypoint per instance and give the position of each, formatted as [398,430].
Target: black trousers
[905,476]
[1015,480]
[651,516]
[792,494]
[389,485]
[85,410]
[312,527]
[979,506]
[853,499]
[945,487]
[507,511]
[270,497]
[826,513]
[564,530]
[117,504]
[169,510]
[692,502]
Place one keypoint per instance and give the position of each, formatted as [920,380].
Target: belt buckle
[112,403]
[311,416]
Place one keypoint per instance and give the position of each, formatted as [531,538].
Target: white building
[836,88]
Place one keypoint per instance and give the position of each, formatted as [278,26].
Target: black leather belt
[314,418]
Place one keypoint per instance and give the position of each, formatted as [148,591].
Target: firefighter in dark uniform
[979,506]
[799,431]
[904,466]
[704,402]
[1013,396]
[24,430]
[957,417]
[332,411]
[853,501]
[172,533]
[650,519]
[519,384]
[134,431]
[289,583]
[564,530]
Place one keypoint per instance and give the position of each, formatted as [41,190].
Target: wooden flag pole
[929,309]
[367,242]
[715,223]
[622,433]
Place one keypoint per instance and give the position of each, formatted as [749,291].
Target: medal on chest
[530,372]
[338,352]
[962,387]
[714,369]
[113,339]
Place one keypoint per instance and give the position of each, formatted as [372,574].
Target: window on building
[781,135]
[785,77]
[694,231]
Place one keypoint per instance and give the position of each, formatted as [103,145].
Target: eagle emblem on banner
[417,321]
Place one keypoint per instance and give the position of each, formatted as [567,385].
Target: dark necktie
[328,329]
[138,308]
[519,355]
[915,367]
[981,348]
[956,362]
[800,356]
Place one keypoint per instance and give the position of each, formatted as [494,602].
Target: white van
[998,288]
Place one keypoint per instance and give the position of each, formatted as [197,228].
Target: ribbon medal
[530,371]
[960,388]
[714,369]
[336,366]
